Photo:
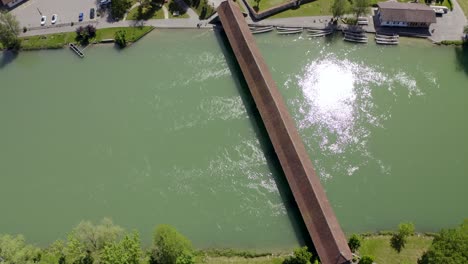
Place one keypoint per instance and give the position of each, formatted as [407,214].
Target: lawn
[146,13]
[464,5]
[132,33]
[201,7]
[265,4]
[59,40]
[379,247]
[316,8]
[50,41]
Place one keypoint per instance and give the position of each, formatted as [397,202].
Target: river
[165,132]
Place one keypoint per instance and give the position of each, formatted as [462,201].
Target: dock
[317,213]
[76,50]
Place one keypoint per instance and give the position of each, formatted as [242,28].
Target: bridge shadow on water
[267,147]
[461,54]
[7,57]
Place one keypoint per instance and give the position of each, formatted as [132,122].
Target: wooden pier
[76,50]
[319,218]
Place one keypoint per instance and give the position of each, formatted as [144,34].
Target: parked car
[54,19]
[91,13]
[80,17]
[43,20]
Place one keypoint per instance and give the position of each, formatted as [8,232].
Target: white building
[395,14]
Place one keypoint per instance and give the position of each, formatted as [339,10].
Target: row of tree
[104,243]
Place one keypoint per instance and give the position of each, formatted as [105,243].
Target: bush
[169,245]
[366,260]
[84,34]
[301,256]
[120,39]
[354,242]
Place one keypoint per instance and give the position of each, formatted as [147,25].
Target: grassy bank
[379,247]
[55,41]
[241,260]
[201,7]
[464,6]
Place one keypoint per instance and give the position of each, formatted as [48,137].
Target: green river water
[165,132]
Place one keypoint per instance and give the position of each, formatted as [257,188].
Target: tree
[339,8]
[119,8]
[95,237]
[465,31]
[361,7]
[450,246]
[127,251]
[13,249]
[398,240]
[169,245]
[9,31]
[301,256]
[354,242]
[120,38]
[186,258]
[366,260]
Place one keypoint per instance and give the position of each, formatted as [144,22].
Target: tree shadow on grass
[7,57]
[461,54]
[266,145]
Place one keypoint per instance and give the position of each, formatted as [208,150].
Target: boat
[355,40]
[386,42]
[355,33]
[318,34]
[313,31]
[387,36]
[285,32]
[288,28]
[261,30]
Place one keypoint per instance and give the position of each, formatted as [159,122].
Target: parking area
[30,12]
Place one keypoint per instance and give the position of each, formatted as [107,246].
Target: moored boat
[261,30]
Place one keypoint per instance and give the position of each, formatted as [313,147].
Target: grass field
[464,6]
[61,39]
[379,247]
[157,14]
[265,4]
[316,8]
[201,7]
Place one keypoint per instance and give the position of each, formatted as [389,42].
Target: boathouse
[396,14]
[11,3]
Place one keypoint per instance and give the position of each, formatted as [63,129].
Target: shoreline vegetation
[108,243]
[60,40]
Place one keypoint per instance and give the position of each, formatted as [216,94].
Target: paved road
[450,25]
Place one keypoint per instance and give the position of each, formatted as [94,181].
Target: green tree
[14,250]
[366,260]
[399,239]
[186,258]
[9,31]
[450,246]
[354,242]
[95,237]
[55,253]
[301,256]
[120,38]
[119,8]
[127,251]
[339,8]
[361,7]
[169,245]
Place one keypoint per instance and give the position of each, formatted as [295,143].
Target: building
[395,14]
[11,3]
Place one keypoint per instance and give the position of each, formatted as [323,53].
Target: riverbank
[60,40]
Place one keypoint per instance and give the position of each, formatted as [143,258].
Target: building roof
[6,1]
[406,12]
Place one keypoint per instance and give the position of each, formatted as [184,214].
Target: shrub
[398,240]
[301,256]
[169,245]
[120,39]
[354,242]
[366,260]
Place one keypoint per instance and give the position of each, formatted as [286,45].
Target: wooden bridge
[318,215]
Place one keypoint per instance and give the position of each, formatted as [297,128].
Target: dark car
[91,13]
[80,17]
